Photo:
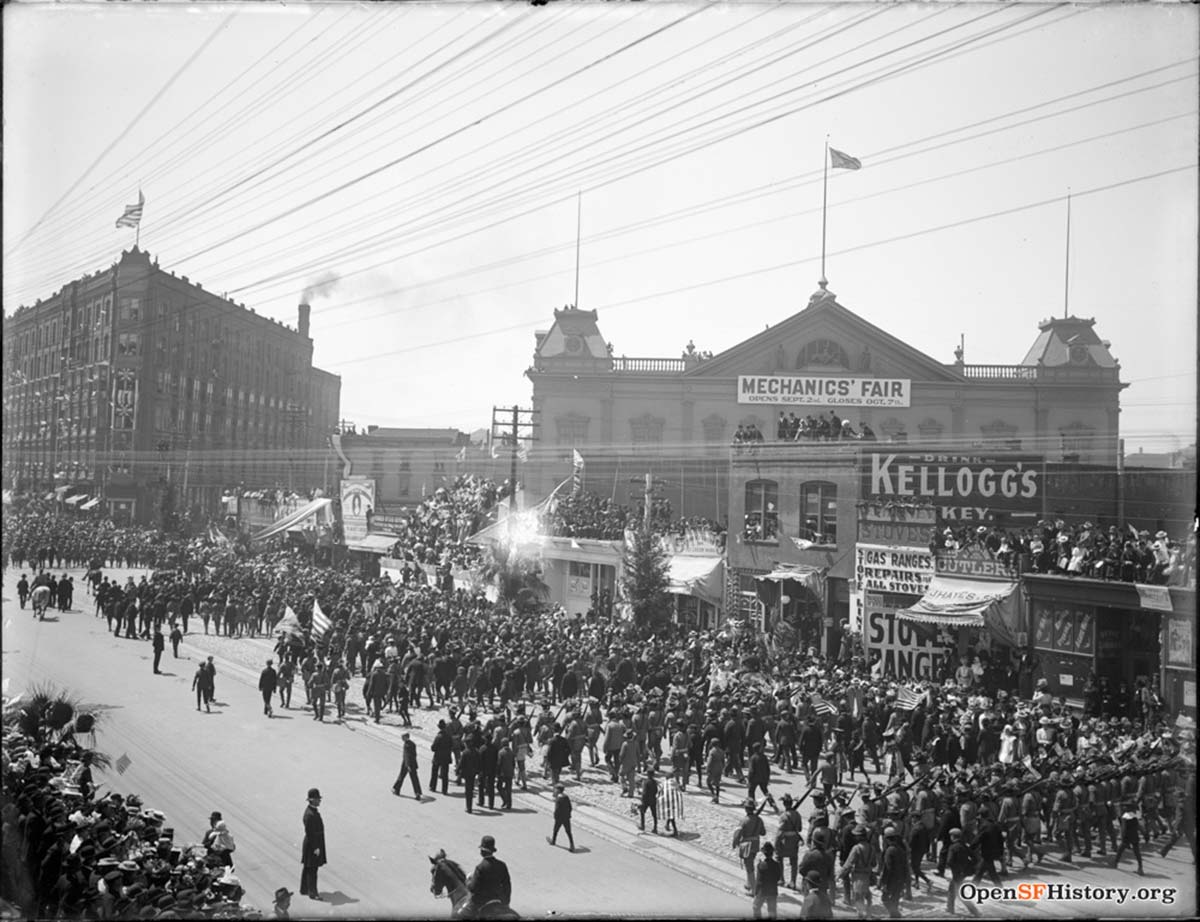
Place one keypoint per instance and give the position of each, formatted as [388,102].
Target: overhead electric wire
[112,178]
[306,69]
[612,305]
[221,27]
[537,186]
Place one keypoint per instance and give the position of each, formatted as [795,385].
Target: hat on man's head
[814,879]
[282,894]
[487,845]
[314,794]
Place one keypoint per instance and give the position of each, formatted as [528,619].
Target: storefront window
[1063,628]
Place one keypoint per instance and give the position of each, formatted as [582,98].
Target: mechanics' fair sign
[818,391]
[966,488]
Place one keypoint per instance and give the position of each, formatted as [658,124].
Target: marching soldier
[1063,811]
[1083,814]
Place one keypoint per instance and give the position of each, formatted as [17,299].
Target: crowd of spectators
[70,855]
[810,428]
[436,531]
[1081,549]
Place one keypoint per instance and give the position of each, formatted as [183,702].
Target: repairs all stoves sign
[963,488]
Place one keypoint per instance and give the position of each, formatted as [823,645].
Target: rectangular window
[130,310]
[128,344]
[818,512]
[762,512]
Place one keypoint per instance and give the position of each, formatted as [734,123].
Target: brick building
[141,388]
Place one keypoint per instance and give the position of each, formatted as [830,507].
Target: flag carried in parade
[841,161]
[133,213]
[907,699]
[122,764]
[821,706]
[289,624]
[320,622]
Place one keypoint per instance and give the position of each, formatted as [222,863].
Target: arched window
[818,512]
[762,511]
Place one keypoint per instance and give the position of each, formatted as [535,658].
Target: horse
[448,876]
[40,598]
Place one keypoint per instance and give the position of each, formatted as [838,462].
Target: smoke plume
[320,287]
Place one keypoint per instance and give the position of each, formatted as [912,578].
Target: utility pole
[648,502]
[508,423]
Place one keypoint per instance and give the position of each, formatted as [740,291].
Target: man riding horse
[485,895]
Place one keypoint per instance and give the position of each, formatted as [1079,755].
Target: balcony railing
[1001,372]
[658,366]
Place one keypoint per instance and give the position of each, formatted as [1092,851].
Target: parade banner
[892,569]
[963,488]
[824,391]
[897,647]
[358,499]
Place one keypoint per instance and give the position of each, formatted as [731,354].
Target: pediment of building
[825,339]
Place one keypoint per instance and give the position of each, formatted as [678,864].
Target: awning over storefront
[78,498]
[373,544]
[699,576]
[968,603]
[797,572]
[91,503]
[295,518]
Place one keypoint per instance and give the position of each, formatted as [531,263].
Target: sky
[420,171]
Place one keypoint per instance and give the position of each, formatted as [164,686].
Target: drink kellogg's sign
[967,488]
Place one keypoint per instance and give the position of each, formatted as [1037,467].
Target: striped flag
[462,455]
[821,706]
[906,698]
[840,161]
[577,459]
[320,622]
[122,764]
[133,213]
[289,624]
[576,470]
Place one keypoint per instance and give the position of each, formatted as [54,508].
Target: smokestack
[305,311]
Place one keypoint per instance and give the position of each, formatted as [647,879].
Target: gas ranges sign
[963,488]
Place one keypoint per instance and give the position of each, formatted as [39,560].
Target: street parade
[597,460]
[967,779]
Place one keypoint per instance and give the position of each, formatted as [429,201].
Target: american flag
[670,800]
[821,706]
[906,698]
[133,213]
[122,764]
[320,622]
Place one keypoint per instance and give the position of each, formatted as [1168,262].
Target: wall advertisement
[963,488]
[892,569]
[897,647]
[821,391]
[358,500]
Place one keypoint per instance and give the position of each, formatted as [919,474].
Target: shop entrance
[1127,646]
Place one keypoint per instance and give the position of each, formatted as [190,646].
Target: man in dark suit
[490,880]
[408,768]
[268,681]
[312,852]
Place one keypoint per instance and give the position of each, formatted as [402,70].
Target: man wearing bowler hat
[312,852]
[490,881]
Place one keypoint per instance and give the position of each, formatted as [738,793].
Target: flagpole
[1067,259]
[578,225]
[824,204]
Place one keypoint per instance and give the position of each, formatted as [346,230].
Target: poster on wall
[358,500]
[1179,642]
[882,568]
[897,647]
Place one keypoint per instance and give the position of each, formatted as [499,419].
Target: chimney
[305,310]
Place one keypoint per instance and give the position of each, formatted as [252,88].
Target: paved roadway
[256,772]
